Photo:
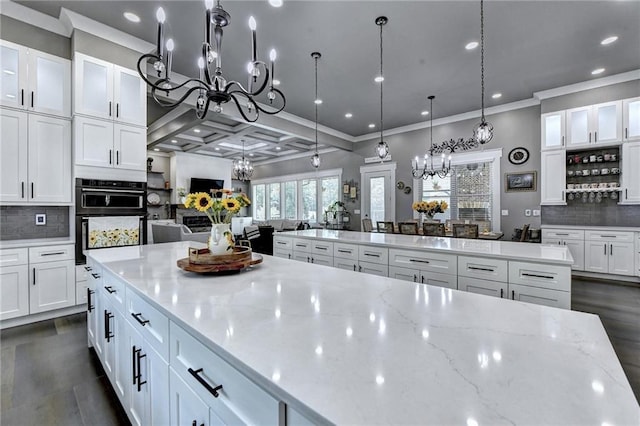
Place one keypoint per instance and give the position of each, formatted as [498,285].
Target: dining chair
[410,228]
[465,231]
[433,229]
[367,225]
[385,227]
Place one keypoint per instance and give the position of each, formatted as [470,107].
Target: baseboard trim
[42,316]
[606,277]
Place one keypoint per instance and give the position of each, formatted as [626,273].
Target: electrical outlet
[536,212]
[41,219]
[356,211]
[527,212]
[505,212]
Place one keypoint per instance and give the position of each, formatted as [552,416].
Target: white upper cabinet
[129,144]
[35,81]
[552,177]
[630,173]
[601,123]
[13,155]
[553,130]
[631,119]
[107,91]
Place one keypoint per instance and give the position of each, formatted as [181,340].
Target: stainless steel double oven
[108,198]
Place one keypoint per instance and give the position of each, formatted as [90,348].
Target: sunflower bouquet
[430,208]
[213,206]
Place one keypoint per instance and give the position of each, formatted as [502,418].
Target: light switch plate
[356,211]
[527,212]
[505,212]
[536,212]
[41,219]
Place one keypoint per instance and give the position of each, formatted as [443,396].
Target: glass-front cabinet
[631,119]
[553,130]
[594,124]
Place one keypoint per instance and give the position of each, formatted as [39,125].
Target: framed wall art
[524,181]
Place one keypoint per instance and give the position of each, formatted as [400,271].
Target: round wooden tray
[204,256]
[221,267]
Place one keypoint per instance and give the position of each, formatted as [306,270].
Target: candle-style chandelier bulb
[428,169]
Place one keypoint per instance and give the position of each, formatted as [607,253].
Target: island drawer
[374,268]
[282,243]
[239,401]
[346,264]
[113,290]
[300,244]
[563,234]
[322,247]
[373,254]
[51,253]
[609,236]
[554,277]
[479,267]
[149,322]
[345,251]
[14,257]
[423,260]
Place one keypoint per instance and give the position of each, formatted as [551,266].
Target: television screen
[205,185]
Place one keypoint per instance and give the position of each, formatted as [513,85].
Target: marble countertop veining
[509,250]
[362,349]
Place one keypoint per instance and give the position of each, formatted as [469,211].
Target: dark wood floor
[50,377]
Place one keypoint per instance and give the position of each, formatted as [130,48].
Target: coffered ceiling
[530,46]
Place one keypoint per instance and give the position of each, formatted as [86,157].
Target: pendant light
[382,149]
[315,159]
[428,170]
[243,169]
[483,131]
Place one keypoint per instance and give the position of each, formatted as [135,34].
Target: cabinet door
[106,335]
[486,287]
[135,403]
[13,156]
[631,119]
[607,122]
[49,84]
[577,252]
[14,291]
[552,177]
[116,360]
[93,294]
[319,259]
[579,126]
[93,94]
[186,407]
[621,258]
[130,145]
[93,142]
[439,280]
[404,274]
[374,268]
[53,286]
[14,74]
[130,97]
[285,254]
[301,257]
[346,264]
[49,159]
[540,296]
[630,173]
[596,256]
[553,130]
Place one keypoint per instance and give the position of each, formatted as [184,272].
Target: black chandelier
[382,148]
[213,87]
[427,169]
[242,168]
[483,131]
[315,159]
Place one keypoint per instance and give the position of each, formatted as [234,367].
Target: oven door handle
[107,191]
[85,218]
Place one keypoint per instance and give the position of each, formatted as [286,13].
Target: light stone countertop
[508,250]
[39,242]
[361,349]
[595,228]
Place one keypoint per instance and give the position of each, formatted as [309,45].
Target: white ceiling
[530,46]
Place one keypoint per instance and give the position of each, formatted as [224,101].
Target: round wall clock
[518,155]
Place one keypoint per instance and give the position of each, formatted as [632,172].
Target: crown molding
[75,21]
[311,124]
[33,17]
[588,85]
[293,156]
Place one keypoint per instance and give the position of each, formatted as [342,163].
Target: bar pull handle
[547,277]
[559,233]
[354,267]
[109,289]
[139,355]
[344,251]
[90,307]
[22,97]
[562,140]
[307,259]
[22,185]
[107,326]
[138,316]
[596,136]
[513,295]
[422,279]
[32,99]
[501,293]
[359,268]
[110,156]
[626,195]
[207,386]
[626,133]
[475,268]
[415,278]
[117,109]
[53,253]
[96,276]
[321,248]
[281,243]
[605,249]
[110,114]
[589,137]
[610,249]
[418,261]
[372,254]
[133,363]
[32,190]
[87,268]
[117,156]
[34,276]
[289,255]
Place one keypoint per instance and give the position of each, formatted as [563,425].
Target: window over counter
[299,197]
[472,189]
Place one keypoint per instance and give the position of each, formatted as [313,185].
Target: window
[439,189]
[297,197]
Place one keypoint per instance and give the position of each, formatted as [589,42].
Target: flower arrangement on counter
[222,201]
[430,208]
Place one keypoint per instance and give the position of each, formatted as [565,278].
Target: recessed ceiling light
[471,45]
[251,154]
[597,71]
[196,130]
[278,148]
[609,40]
[348,115]
[132,17]
[424,113]
[275,3]
[496,95]
[156,149]
[216,148]
[8,72]
[276,82]
[174,141]
[379,79]
[317,101]
[371,126]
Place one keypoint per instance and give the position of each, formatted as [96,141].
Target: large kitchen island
[287,342]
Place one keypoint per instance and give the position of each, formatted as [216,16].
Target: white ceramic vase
[221,239]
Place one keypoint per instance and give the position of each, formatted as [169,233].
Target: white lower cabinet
[481,286]
[610,253]
[573,239]
[380,269]
[346,264]
[94,281]
[283,253]
[404,274]
[113,334]
[14,283]
[424,277]
[52,278]
[540,296]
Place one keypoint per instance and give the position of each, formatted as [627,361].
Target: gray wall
[34,37]
[19,222]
